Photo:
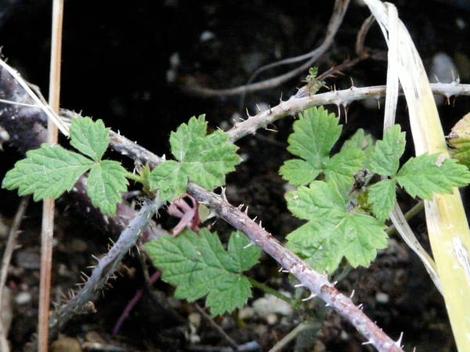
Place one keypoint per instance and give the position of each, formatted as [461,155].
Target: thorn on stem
[398,342]
[313,295]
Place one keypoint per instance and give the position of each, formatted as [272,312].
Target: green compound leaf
[385,158]
[382,197]
[199,266]
[106,184]
[89,137]
[46,172]
[333,231]
[170,179]
[315,133]
[424,175]
[203,159]
[51,170]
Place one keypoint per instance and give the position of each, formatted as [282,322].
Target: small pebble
[22,298]
[261,329]
[195,319]
[270,304]
[246,313]
[382,297]
[66,344]
[206,36]
[271,319]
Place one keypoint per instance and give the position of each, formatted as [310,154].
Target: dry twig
[335,21]
[47,230]
[217,327]
[7,254]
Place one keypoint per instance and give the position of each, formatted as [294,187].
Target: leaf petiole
[135,177]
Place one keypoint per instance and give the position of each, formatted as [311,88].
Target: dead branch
[48,205]
[7,254]
[335,21]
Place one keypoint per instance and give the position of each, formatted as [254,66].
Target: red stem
[132,303]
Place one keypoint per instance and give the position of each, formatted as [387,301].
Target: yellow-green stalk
[447,224]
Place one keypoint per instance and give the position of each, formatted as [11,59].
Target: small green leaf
[243,251]
[342,167]
[424,175]
[362,237]
[89,137]
[462,152]
[385,159]
[210,159]
[106,184]
[187,135]
[459,140]
[170,179]
[361,140]
[382,197]
[312,73]
[319,200]
[314,243]
[298,172]
[203,159]
[46,172]
[315,133]
[199,266]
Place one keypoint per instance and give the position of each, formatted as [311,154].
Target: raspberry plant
[344,197]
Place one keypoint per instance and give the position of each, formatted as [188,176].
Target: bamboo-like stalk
[445,215]
[47,230]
